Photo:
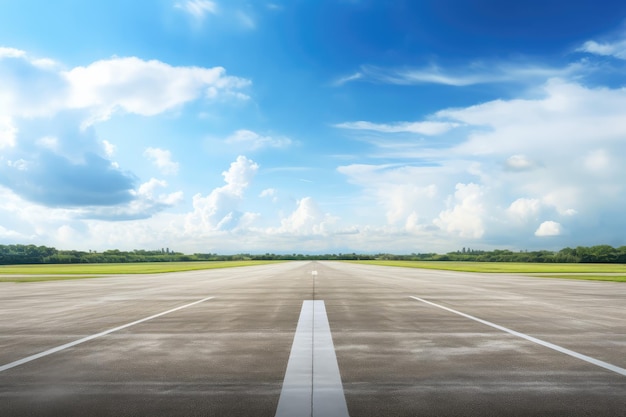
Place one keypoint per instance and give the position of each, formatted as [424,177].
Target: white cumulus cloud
[144,87]
[162,158]
[548,228]
[559,154]
[49,142]
[6,52]
[306,219]
[519,163]
[109,148]
[8,132]
[148,200]
[524,208]
[220,209]
[128,84]
[466,217]
[52,154]
[598,161]
[270,193]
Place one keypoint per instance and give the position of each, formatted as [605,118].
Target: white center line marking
[549,345]
[93,336]
[312,385]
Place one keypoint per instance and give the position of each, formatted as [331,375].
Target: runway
[321,338]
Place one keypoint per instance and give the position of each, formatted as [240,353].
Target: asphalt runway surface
[315,339]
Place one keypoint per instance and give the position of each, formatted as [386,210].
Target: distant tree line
[31,254]
[580,254]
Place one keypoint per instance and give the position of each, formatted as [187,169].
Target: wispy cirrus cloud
[252,141]
[245,19]
[231,14]
[471,74]
[424,128]
[198,9]
[616,49]
[348,78]
[274,6]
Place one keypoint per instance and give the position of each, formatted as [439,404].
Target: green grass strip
[614,278]
[40,278]
[49,271]
[505,267]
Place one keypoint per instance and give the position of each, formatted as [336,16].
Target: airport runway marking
[312,385]
[93,336]
[589,359]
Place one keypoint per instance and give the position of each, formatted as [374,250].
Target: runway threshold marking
[93,336]
[312,385]
[589,359]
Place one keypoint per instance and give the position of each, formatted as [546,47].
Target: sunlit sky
[313,126]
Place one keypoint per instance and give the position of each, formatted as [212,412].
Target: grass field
[35,273]
[600,272]
[39,278]
[590,277]
[31,273]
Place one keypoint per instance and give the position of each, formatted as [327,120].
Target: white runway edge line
[312,385]
[93,336]
[552,346]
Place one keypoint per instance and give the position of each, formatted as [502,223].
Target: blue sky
[313,126]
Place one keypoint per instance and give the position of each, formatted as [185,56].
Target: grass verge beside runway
[602,272]
[615,278]
[39,278]
[48,272]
